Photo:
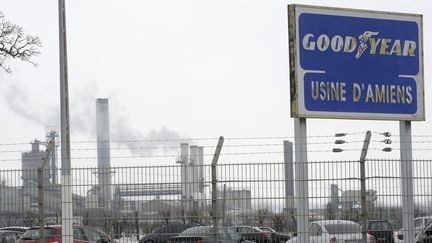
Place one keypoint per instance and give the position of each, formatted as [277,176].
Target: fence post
[289,185]
[40,186]
[137,225]
[214,190]
[363,185]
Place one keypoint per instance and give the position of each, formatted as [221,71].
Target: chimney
[103,152]
[184,162]
[193,179]
[35,146]
[200,173]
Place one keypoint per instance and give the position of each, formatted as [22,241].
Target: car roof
[179,224]
[48,227]
[424,217]
[324,222]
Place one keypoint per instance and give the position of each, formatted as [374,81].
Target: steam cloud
[19,101]
[83,118]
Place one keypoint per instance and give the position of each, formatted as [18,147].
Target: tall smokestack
[200,173]
[184,162]
[193,168]
[103,152]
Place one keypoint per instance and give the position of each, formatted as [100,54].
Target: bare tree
[262,215]
[16,44]
[165,216]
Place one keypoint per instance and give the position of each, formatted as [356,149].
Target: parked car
[276,237]
[425,235]
[163,233]
[335,231]
[253,234]
[419,224]
[381,230]
[9,236]
[204,234]
[53,234]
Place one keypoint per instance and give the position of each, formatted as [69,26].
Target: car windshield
[267,229]
[232,235]
[163,229]
[33,234]
[428,220]
[342,228]
[196,231]
[379,225]
[206,231]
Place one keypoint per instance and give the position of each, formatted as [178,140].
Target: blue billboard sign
[355,64]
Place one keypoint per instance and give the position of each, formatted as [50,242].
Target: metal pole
[363,185]
[41,204]
[67,204]
[214,190]
[407,181]
[41,198]
[137,225]
[54,178]
[301,174]
[223,204]
[289,175]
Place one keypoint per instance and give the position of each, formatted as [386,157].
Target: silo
[30,163]
[103,152]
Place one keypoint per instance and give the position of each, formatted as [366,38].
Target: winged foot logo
[367,40]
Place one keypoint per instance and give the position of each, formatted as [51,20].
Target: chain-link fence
[141,199]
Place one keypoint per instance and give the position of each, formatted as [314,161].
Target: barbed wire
[226,138]
[224,154]
[192,139]
[205,146]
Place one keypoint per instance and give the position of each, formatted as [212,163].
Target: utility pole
[66,185]
[363,185]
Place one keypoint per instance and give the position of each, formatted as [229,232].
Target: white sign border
[298,109]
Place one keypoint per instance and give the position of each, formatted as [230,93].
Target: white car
[419,224]
[334,231]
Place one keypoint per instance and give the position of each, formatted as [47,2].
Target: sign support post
[301,177]
[407,181]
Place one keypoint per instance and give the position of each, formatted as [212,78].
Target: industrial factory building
[103,197]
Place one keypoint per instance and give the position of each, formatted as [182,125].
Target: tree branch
[14,43]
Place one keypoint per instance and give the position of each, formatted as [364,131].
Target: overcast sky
[192,68]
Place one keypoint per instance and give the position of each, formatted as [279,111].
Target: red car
[53,234]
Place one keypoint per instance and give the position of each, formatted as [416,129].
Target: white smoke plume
[22,104]
[155,141]
[83,118]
